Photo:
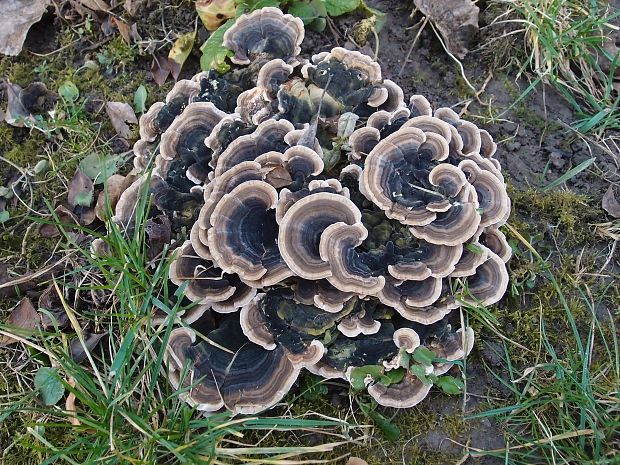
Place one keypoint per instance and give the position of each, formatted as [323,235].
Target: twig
[415,39]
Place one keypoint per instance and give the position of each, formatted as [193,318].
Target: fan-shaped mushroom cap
[395,98]
[321,294]
[242,239]
[397,172]
[419,106]
[148,127]
[491,193]
[206,282]
[268,136]
[271,75]
[496,241]
[301,228]
[434,260]
[469,132]
[405,394]
[351,59]
[348,273]
[488,146]
[474,255]
[227,370]
[266,32]
[408,297]
[185,137]
[451,346]
[406,338]
[160,116]
[489,283]
[456,225]
[359,323]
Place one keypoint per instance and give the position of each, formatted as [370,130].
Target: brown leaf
[70,404]
[95,5]
[113,186]
[610,203]
[120,114]
[9,286]
[81,189]
[16,112]
[50,302]
[22,316]
[91,340]
[160,69]
[65,217]
[22,103]
[159,232]
[132,6]
[16,17]
[279,177]
[356,461]
[457,21]
[123,28]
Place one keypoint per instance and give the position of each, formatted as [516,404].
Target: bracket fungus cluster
[293,264]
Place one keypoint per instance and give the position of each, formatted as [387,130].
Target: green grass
[564,43]
[565,404]
[125,409]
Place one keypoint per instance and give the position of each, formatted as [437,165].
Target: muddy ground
[535,147]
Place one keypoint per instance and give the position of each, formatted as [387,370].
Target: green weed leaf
[100,167]
[214,54]
[420,372]
[340,7]
[358,375]
[69,92]
[49,385]
[139,99]
[389,430]
[4,216]
[423,355]
[450,384]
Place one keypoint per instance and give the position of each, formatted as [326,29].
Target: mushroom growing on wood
[327,225]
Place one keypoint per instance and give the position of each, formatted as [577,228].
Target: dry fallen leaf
[70,404]
[22,103]
[113,187]
[120,114]
[65,217]
[457,21]
[610,203]
[16,17]
[159,232]
[132,6]
[356,461]
[160,69]
[95,5]
[78,354]
[81,189]
[22,316]
[52,311]
[179,52]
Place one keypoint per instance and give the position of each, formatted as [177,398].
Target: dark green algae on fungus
[292,265]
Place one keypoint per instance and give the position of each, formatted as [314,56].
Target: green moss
[567,215]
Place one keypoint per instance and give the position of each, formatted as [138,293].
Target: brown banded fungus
[294,261]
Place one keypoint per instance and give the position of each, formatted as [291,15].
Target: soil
[535,147]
